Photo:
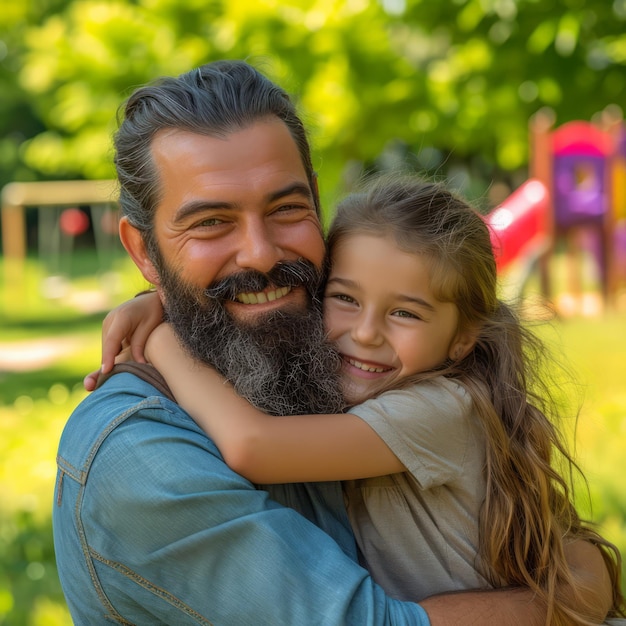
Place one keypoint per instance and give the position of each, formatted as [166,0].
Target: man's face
[233,204]
[239,265]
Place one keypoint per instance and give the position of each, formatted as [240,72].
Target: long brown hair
[528,514]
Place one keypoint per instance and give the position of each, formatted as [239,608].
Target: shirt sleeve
[427,426]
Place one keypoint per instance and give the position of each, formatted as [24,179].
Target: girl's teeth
[366,368]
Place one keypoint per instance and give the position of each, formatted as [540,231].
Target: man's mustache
[299,273]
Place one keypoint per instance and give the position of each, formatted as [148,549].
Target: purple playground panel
[581,188]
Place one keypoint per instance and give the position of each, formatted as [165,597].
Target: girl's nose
[367,331]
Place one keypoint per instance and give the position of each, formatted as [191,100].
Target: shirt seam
[148,586]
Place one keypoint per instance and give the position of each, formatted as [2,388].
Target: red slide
[519,226]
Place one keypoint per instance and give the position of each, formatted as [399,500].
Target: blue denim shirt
[152,527]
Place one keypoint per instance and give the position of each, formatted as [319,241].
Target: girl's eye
[342,296]
[406,314]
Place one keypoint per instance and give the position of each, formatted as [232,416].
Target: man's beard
[282,361]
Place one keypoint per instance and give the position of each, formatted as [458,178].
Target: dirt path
[34,354]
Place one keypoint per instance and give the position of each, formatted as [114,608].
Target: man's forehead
[260,160]
[269,135]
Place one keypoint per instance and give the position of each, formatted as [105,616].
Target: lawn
[46,346]
[37,396]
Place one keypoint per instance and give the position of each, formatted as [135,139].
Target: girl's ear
[132,240]
[463,344]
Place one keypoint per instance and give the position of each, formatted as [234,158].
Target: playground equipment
[576,195]
[66,209]
[582,165]
[519,226]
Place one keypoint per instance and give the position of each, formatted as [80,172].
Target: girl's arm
[264,448]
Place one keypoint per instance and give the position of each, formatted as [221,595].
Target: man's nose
[367,331]
[258,249]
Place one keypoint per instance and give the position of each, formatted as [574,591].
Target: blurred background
[515,103]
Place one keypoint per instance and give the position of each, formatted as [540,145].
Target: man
[220,212]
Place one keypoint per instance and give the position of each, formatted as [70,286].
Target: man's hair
[215,99]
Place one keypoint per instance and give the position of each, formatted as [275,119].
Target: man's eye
[285,208]
[209,221]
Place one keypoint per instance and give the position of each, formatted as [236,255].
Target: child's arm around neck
[263,448]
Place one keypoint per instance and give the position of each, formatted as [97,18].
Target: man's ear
[463,344]
[132,240]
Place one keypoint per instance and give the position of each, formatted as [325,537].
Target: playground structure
[576,197]
[65,211]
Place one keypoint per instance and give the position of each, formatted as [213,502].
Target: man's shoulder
[125,402]
[143,371]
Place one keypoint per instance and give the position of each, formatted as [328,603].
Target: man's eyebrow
[197,206]
[294,189]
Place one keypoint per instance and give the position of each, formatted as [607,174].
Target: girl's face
[380,310]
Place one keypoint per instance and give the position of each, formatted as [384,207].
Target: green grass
[596,350]
[35,404]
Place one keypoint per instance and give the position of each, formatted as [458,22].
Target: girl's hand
[90,382]
[128,326]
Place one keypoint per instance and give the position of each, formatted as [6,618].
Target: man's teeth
[366,368]
[263,296]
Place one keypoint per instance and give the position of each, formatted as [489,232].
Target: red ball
[74,222]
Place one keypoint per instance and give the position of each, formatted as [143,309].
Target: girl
[448,452]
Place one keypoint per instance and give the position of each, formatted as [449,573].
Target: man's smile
[246,306]
[263,296]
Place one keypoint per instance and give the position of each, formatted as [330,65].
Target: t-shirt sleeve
[427,426]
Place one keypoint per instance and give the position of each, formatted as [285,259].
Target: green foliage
[434,82]
[30,591]
[30,426]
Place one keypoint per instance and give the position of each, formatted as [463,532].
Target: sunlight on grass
[29,433]
[58,340]
[596,351]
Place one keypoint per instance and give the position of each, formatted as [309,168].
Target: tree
[436,83]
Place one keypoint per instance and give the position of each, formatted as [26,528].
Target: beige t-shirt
[418,530]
